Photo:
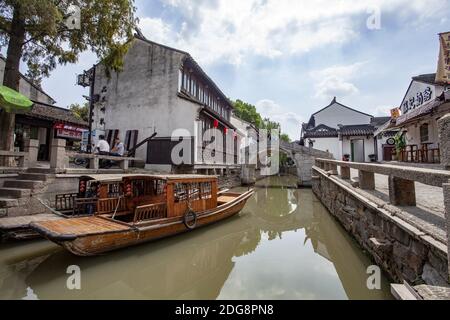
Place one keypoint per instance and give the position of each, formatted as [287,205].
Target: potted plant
[373,157]
[346,157]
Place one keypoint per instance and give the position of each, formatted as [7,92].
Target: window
[424,137]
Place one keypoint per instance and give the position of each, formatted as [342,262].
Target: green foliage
[81,112]
[285,137]
[400,141]
[247,112]
[106,28]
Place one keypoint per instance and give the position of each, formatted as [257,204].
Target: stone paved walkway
[427,216]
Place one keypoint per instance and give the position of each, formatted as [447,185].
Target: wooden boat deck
[24,221]
[81,226]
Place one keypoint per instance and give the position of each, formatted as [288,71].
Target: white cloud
[290,122]
[234,30]
[383,111]
[336,81]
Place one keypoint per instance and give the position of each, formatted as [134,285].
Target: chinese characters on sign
[443,72]
[68,132]
[416,101]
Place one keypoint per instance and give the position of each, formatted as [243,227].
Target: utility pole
[87,79]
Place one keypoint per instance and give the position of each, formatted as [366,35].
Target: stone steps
[15,192]
[39,170]
[22,184]
[33,176]
[6,202]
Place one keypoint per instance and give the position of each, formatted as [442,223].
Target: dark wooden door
[387,153]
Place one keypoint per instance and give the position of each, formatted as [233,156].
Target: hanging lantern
[225,130]
[216,123]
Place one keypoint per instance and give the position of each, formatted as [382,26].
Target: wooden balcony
[421,154]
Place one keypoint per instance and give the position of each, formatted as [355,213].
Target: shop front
[45,123]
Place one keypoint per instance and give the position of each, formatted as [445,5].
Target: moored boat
[151,207]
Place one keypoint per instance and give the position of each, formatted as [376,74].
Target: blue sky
[290,58]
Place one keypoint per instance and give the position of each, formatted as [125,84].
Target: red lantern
[225,130]
[216,123]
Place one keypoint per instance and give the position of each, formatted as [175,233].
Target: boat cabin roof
[165,177]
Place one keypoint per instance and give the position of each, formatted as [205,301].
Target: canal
[283,245]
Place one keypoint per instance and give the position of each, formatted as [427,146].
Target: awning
[13,101]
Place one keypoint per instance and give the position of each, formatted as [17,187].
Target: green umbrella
[13,101]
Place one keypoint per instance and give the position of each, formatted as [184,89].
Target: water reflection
[283,245]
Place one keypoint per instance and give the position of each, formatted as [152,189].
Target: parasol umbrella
[13,101]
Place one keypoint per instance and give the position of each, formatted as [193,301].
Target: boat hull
[99,243]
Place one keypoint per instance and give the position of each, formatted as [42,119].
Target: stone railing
[28,158]
[401,182]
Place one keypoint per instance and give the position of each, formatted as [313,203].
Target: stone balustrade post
[402,192]
[58,158]
[444,140]
[334,169]
[366,180]
[32,148]
[446,189]
[345,173]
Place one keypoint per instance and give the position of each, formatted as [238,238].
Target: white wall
[369,146]
[337,114]
[26,88]
[328,144]
[416,88]
[413,133]
[144,95]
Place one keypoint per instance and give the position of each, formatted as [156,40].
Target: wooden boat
[152,207]
[81,203]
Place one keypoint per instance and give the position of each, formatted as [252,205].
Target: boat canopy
[165,177]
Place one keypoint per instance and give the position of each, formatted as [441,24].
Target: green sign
[13,101]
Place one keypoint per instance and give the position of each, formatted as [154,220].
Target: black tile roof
[357,130]
[379,121]
[321,131]
[427,78]
[53,113]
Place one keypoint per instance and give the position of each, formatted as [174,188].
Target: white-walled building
[164,90]
[344,132]
[422,106]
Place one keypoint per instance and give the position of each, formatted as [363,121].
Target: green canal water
[283,245]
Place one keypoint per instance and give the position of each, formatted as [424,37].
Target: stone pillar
[402,192]
[366,180]
[444,140]
[446,189]
[32,148]
[345,173]
[333,169]
[58,158]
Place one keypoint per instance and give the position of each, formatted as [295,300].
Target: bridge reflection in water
[283,245]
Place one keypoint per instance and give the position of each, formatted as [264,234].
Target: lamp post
[87,79]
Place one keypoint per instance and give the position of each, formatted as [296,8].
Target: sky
[290,58]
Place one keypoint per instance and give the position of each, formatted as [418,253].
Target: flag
[443,71]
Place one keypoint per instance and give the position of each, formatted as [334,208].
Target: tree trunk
[11,80]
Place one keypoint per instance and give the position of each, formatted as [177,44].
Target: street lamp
[87,79]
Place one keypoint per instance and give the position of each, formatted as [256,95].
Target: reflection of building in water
[334,244]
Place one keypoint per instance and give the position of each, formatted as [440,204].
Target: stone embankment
[405,250]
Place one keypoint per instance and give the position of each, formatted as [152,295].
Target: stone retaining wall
[401,250]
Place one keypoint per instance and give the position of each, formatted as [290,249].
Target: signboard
[68,132]
[395,113]
[443,71]
[418,94]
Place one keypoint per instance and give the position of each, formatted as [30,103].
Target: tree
[247,112]
[285,137]
[36,32]
[81,112]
